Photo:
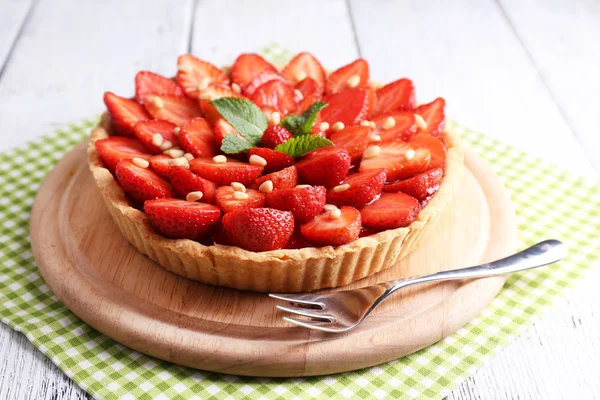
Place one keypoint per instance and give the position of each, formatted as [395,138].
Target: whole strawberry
[274,136]
[259,229]
[304,202]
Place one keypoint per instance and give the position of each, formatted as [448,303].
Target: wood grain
[125,295]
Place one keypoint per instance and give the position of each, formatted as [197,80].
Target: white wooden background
[526,72]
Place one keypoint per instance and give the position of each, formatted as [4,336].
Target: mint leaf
[299,125]
[233,144]
[301,145]
[243,115]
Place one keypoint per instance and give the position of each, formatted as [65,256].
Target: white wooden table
[525,72]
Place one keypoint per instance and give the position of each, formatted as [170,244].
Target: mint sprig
[246,118]
[301,145]
[302,124]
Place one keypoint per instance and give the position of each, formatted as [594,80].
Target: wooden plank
[12,17]
[466,52]
[249,26]
[567,56]
[55,76]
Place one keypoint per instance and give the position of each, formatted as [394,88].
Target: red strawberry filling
[251,158]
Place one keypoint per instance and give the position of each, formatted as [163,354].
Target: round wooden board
[94,271]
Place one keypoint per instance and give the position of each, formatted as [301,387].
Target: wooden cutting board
[94,271]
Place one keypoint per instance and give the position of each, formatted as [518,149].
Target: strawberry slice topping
[227,199]
[435,147]
[247,66]
[274,136]
[259,229]
[304,202]
[353,75]
[145,131]
[354,139]
[433,114]
[333,228]
[261,79]
[421,186]
[214,91]
[161,164]
[275,159]
[327,166]
[287,178]
[390,211]
[177,110]
[358,189]
[225,173]
[180,219]
[194,75]
[401,160]
[124,113]
[277,94]
[311,92]
[185,182]
[221,129]
[302,66]
[115,148]
[397,95]
[196,137]
[403,126]
[147,82]
[142,184]
[349,107]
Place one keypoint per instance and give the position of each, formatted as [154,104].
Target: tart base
[283,270]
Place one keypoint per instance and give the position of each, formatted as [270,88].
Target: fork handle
[538,255]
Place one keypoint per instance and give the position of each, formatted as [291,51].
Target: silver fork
[343,311]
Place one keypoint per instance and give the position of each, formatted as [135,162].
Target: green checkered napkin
[550,203]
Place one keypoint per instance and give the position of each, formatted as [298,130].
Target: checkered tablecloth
[550,203]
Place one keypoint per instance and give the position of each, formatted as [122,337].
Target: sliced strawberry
[311,92]
[435,147]
[247,66]
[214,91]
[297,241]
[225,173]
[328,229]
[404,126]
[304,65]
[327,166]
[354,139]
[275,136]
[194,75]
[145,131]
[180,219]
[259,229]
[401,160]
[184,181]
[390,211]
[353,75]
[116,148]
[271,119]
[275,160]
[304,202]
[221,129]
[433,114]
[349,107]
[196,137]
[147,82]
[276,94]
[142,183]
[421,186]
[261,79]
[227,201]
[177,110]
[363,187]
[124,113]
[287,178]
[397,95]
[161,164]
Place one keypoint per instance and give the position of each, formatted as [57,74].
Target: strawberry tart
[273,179]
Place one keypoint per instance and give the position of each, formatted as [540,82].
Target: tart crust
[282,270]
